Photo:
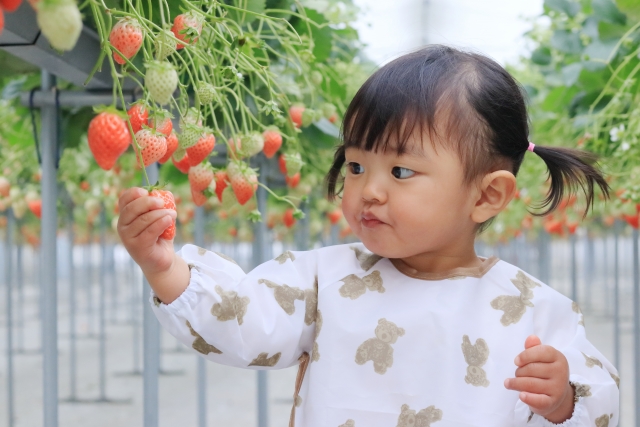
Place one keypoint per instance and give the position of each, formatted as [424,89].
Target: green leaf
[257,6]
[570,73]
[559,98]
[606,10]
[607,31]
[631,8]
[600,50]
[322,37]
[571,8]
[541,56]
[566,41]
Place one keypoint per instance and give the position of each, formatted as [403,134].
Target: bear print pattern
[582,390]
[284,295]
[575,307]
[379,349]
[424,418]
[515,306]
[230,307]
[591,361]
[282,258]
[225,257]
[315,353]
[311,303]
[355,286]
[201,251]
[200,345]
[603,420]
[348,423]
[476,356]
[263,359]
[616,379]
[365,259]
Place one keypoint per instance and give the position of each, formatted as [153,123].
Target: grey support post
[198,237]
[72,311]
[8,274]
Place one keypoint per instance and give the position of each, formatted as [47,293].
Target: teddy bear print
[424,418]
[282,258]
[379,349]
[263,359]
[575,307]
[591,361]
[311,303]
[201,251]
[348,423]
[225,257]
[603,420]
[355,286]
[315,353]
[200,345]
[230,305]
[581,390]
[475,355]
[616,379]
[515,306]
[284,295]
[365,259]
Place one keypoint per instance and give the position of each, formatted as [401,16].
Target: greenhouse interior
[242,116]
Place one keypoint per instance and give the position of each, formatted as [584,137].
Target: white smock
[382,345]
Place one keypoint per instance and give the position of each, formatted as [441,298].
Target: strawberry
[182,164]
[252,144]
[161,81]
[108,138]
[293,181]
[189,136]
[126,36]
[138,115]
[328,110]
[1,20]
[5,187]
[572,226]
[187,27]
[84,186]
[161,121]
[10,5]
[295,112]
[290,164]
[282,164]
[632,220]
[200,176]
[272,142]
[165,44]
[172,146]
[221,183]
[153,145]
[233,232]
[192,117]
[288,218]
[234,145]
[243,181]
[333,118]
[61,22]
[35,206]
[206,93]
[198,197]
[169,203]
[334,216]
[202,149]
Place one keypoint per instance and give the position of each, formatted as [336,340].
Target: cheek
[350,200]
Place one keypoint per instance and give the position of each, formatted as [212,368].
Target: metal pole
[574,269]
[20,284]
[8,274]
[590,264]
[102,309]
[198,237]
[636,323]
[616,297]
[135,319]
[72,310]
[89,267]
[48,265]
[151,340]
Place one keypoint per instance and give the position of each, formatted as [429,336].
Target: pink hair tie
[531,146]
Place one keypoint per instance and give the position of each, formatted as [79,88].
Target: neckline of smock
[455,273]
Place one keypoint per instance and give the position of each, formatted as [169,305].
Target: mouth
[369,220]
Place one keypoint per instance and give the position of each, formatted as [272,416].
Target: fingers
[532,341]
[155,229]
[539,370]
[142,222]
[537,402]
[137,207]
[538,353]
[528,384]
[130,195]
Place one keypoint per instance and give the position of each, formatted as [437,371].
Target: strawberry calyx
[111,109]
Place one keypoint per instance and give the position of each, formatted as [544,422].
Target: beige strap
[302,369]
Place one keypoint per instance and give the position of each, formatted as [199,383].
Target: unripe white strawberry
[161,80]
[252,144]
[206,93]
[294,163]
[165,44]
[60,22]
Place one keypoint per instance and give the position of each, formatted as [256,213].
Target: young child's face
[404,205]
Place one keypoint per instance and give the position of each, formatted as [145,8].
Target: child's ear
[494,194]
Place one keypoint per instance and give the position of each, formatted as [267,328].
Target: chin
[380,248]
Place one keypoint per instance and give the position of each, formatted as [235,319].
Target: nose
[374,191]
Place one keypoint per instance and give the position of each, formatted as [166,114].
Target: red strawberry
[572,226]
[200,176]
[293,181]
[126,36]
[202,149]
[295,113]
[138,115]
[333,118]
[35,206]
[1,20]
[5,186]
[243,181]
[182,164]
[632,220]
[288,218]
[165,125]
[108,138]
[153,145]
[198,197]
[282,164]
[187,27]
[334,216]
[169,203]
[84,186]
[10,5]
[221,183]
[172,146]
[272,142]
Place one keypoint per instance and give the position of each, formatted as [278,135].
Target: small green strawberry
[165,44]
[189,136]
[293,163]
[161,81]
[206,93]
[316,77]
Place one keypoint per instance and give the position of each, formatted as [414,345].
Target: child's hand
[542,378]
[142,221]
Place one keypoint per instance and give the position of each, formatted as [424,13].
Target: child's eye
[402,173]
[355,168]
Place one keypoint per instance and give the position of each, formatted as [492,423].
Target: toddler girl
[411,327]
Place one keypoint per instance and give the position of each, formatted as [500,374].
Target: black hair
[466,102]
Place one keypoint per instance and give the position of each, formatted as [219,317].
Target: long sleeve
[595,379]
[261,320]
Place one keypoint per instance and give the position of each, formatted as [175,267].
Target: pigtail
[570,168]
[334,177]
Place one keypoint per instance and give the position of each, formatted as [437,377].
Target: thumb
[532,341]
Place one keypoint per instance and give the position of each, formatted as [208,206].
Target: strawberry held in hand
[244,181]
[169,203]
[153,145]
[201,149]
[108,138]
[187,27]
[126,36]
